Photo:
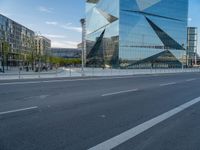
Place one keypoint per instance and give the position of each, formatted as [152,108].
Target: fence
[90,72]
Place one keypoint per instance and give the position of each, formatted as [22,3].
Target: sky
[59,20]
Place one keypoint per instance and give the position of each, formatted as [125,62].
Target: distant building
[192,45]
[19,38]
[65,52]
[42,44]
[80,45]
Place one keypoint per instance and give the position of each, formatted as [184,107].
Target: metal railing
[90,72]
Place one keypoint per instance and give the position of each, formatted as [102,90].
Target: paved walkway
[77,72]
[16,74]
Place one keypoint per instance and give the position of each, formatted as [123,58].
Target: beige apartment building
[43,45]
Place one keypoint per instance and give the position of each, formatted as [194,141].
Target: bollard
[66,72]
[19,74]
[70,72]
[93,71]
[39,72]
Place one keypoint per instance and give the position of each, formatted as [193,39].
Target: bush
[64,61]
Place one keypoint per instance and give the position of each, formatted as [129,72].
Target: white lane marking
[67,80]
[18,110]
[120,92]
[37,97]
[129,134]
[166,84]
[191,80]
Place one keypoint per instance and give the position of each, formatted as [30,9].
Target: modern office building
[42,44]
[192,46]
[136,33]
[65,52]
[19,40]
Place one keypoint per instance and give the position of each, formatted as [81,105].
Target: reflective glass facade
[131,33]
[192,44]
[19,38]
[102,23]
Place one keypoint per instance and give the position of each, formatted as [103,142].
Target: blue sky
[59,19]
[56,19]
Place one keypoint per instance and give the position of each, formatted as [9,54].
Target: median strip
[120,92]
[18,110]
[129,134]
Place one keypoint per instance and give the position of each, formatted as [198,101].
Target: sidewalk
[16,74]
[89,72]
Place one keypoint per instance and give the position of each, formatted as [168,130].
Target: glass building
[19,38]
[65,52]
[136,33]
[192,45]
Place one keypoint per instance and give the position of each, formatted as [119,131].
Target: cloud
[61,41]
[64,44]
[55,36]
[68,24]
[51,23]
[68,27]
[45,9]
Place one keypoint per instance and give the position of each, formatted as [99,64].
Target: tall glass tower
[136,33]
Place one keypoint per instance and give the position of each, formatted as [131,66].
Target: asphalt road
[121,112]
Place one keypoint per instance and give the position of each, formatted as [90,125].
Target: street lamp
[83,22]
[38,51]
[196,45]
[2,57]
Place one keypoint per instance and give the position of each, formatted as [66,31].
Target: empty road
[144,112]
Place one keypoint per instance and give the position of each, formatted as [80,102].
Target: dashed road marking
[119,92]
[191,80]
[18,110]
[166,84]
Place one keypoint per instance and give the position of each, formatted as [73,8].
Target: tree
[32,55]
[5,53]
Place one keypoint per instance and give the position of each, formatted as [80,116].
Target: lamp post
[196,45]
[38,52]
[82,21]
[182,64]
[2,57]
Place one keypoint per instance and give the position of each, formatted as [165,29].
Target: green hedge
[64,61]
